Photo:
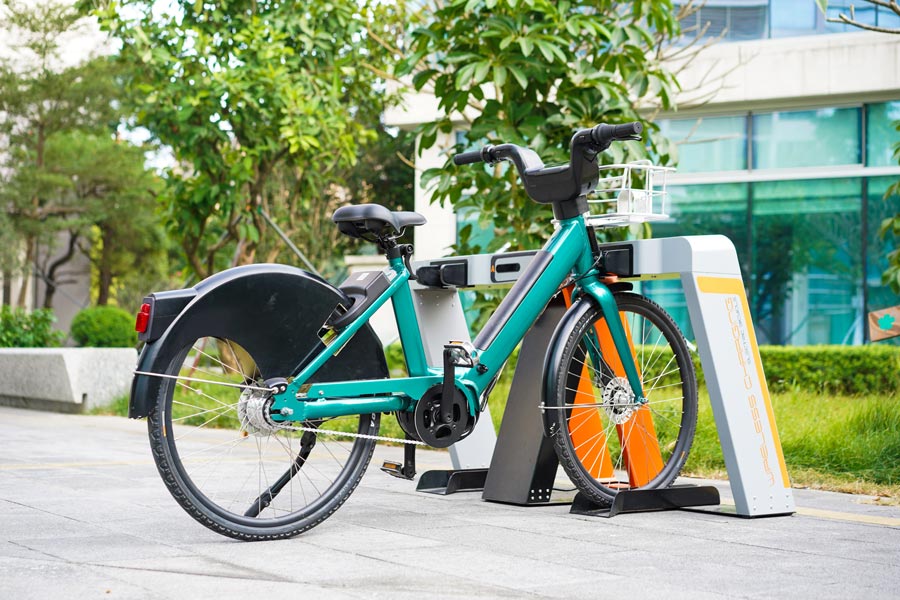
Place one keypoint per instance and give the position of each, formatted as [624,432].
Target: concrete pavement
[84,514]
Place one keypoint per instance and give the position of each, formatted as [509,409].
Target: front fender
[553,359]
[275,313]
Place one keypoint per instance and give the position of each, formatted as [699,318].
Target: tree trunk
[7,287]
[26,274]
[105,275]
[50,276]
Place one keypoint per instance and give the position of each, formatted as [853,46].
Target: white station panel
[720,315]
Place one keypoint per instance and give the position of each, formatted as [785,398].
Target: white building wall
[788,72]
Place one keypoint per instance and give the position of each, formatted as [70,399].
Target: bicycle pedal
[396,469]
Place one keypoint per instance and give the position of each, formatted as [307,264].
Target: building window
[709,143]
[888,18]
[824,137]
[739,20]
[879,208]
[806,255]
[732,20]
[881,133]
[700,210]
[864,13]
[792,18]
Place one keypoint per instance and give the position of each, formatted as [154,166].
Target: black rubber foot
[450,482]
[670,498]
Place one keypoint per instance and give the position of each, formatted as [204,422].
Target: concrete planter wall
[65,379]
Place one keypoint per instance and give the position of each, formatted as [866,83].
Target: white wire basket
[620,199]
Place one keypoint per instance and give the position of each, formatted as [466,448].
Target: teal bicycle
[264,385]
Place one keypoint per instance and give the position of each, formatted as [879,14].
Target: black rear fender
[272,311]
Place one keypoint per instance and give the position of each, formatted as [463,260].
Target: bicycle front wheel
[605,439]
[235,470]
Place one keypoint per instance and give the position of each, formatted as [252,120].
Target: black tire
[217,461]
[585,437]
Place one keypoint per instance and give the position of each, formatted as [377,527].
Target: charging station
[519,465]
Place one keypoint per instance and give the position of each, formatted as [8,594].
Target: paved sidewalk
[83,514]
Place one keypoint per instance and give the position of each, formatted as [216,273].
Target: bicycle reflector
[143,319]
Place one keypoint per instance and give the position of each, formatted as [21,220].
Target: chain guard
[427,419]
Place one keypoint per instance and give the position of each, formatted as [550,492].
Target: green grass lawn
[841,443]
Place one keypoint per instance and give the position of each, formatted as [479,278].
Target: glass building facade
[744,20]
[799,192]
[801,196]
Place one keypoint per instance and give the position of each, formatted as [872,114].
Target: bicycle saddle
[357,220]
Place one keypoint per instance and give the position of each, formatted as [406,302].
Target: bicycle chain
[365,436]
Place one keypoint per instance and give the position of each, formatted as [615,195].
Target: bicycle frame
[570,254]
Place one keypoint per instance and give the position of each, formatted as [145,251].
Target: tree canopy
[54,112]
[266,106]
[531,72]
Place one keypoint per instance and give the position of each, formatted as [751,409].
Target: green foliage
[104,327]
[532,72]
[535,71]
[835,369]
[396,362]
[266,104]
[21,329]
[61,168]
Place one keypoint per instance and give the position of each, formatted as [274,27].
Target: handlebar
[609,133]
[561,184]
[471,157]
[597,139]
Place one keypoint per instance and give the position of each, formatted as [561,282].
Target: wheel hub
[618,400]
[253,411]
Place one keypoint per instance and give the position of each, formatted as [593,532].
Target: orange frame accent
[640,446]
[586,428]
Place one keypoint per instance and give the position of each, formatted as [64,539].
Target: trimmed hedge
[846,370]
[873,369]
[104,327]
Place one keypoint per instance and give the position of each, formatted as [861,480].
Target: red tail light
[143,319]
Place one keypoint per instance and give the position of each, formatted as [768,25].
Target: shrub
[835,369]
[21,329]
[104,327]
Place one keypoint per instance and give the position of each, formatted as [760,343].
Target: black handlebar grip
[468,158]
[627,130]
[604,134]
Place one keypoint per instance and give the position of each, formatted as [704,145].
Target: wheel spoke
[233,463]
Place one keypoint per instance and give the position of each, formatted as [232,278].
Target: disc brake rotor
[618,400]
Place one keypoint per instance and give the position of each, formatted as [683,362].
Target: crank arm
[307,443]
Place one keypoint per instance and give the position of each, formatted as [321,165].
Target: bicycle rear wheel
[605,440]
[231,467]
